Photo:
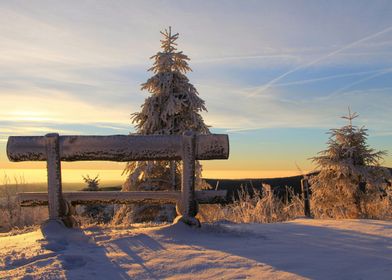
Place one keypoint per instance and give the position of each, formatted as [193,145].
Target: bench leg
[187,207]
[57,206]
[305,196]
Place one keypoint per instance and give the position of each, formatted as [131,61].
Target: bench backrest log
[53,149]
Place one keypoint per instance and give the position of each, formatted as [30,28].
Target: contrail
[273,81]
[225,58]
[386,71]
[332,77]
[325,78]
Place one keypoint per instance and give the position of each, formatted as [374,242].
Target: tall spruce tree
[350,174]
[172,108]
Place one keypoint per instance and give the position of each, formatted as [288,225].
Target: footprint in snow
[54,245]
[72,261]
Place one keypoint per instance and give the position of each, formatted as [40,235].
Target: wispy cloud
[280,108]
[57,107]
[325,78]
[31,130]
[319,59]
[264,57]
[77,66]
[378,74]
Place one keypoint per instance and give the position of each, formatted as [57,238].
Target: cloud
[319,59]
[370,77]
[266,59]
[282,108]
[327,78]
[57,107]
[82,63]
[6,131]
[126,33]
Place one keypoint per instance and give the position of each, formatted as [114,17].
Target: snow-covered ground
[300,249]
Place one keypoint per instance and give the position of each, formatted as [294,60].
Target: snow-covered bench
[53,149]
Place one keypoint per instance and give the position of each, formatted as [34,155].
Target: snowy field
[300,249]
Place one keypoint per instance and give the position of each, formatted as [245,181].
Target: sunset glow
[28,116]
[115,177]
[275,76]
[224,139]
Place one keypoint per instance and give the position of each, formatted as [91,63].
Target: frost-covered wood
[107,197]
[117,147]
[54,148]
[187,206]
[305,197]
[111,197]
[56,205]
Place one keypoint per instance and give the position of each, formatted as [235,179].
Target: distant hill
[234,185]
[278,184]
[231,185]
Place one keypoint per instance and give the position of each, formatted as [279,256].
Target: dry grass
[12,216]
[380,208]
[261,207]
[377,207]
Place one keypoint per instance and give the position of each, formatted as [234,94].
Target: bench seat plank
[27,199]
[120,148]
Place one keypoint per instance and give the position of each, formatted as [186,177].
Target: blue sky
[275,75]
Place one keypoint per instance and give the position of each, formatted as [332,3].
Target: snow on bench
[53,149]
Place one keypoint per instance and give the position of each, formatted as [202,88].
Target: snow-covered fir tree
[350,174]
[92,183]
[96,213]
[172,108]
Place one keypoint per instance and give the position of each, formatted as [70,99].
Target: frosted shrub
[260,207]
[380,207]
[351,183]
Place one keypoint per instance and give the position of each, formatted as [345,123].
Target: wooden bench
[53,149]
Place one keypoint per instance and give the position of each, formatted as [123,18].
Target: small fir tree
[95,212]
[350,175]
[92,183]
[172,108]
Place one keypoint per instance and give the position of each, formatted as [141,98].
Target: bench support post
[56,204]
[305,196]
[187,207]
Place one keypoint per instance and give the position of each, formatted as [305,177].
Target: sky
[275,75]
